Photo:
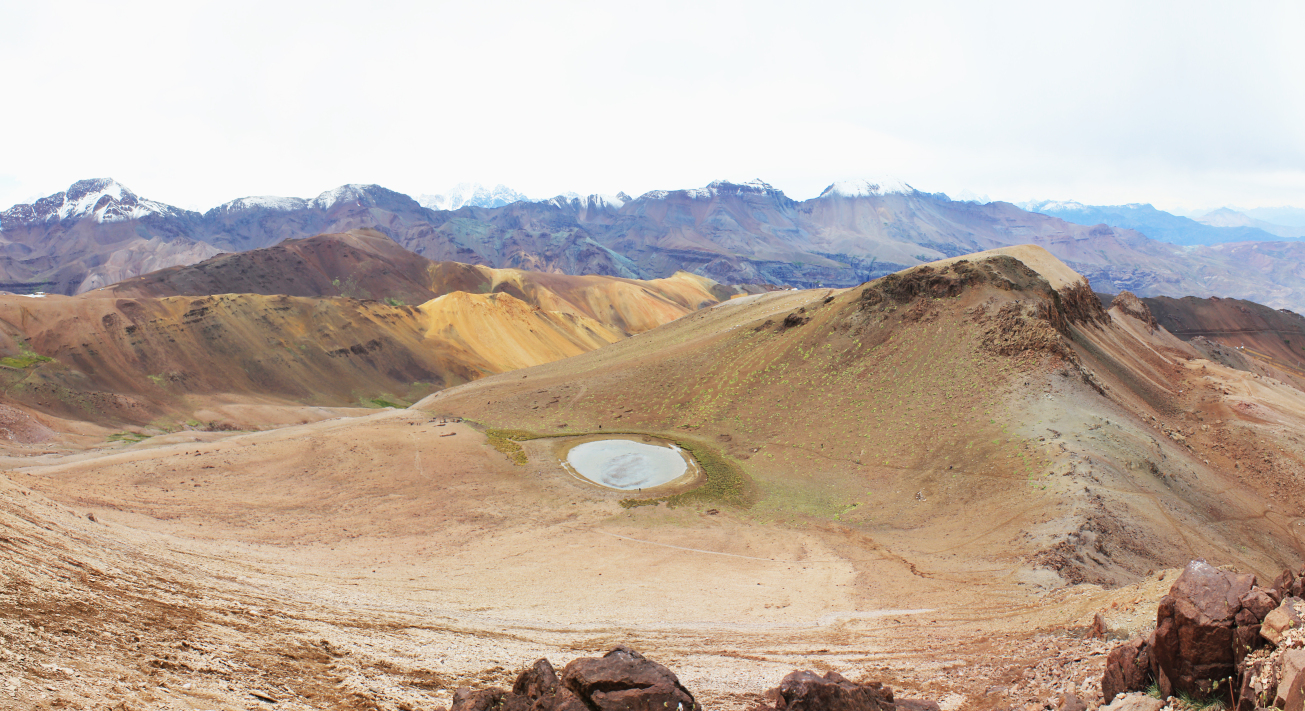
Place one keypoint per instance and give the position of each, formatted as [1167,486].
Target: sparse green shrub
[505,442]
[1201,703]
[26,358]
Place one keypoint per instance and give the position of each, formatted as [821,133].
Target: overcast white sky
[1182,104]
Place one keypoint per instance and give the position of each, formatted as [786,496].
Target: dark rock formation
[807,691]
[622,680]
[1128,668]
[1210,641]
[1194,629]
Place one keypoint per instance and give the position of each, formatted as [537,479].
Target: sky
[1185,105]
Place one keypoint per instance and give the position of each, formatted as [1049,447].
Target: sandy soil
[224,565]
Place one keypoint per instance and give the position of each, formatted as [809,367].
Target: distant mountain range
[98,232]
[1217,227]
[471,195]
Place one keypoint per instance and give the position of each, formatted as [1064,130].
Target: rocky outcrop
[624,680]
[1129,304]
[621,680]
[1194,629]
[1282,619]
[1218,635]
[807,691]
[1128,667]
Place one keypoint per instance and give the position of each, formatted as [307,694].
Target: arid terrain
[935,480]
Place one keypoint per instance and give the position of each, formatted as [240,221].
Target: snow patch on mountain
[345,193]
[471,195]
[595,202]
[1045,206]
[714,188]
[264,202]
[867,188]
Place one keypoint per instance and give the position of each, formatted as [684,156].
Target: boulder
[536,682]
[1098,628]
[464,699]
[1194,629]
[1128,668]
[623,680]
[1135,702]
[1290,665]
[1283,583]
[1290,614]
[807,691]
[1068,702]
[1295,699]
[1258,602]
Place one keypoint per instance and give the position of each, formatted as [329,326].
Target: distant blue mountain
[1156,224]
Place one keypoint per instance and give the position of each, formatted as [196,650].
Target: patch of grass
[392,301]
[26,358]
[1201,703]
[24,361]
[132,437]
[382,402]
[726,483]
[505,441]
[1154,691]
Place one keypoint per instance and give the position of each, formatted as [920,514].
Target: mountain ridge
[730,232]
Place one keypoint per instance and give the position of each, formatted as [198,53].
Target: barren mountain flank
[936,480]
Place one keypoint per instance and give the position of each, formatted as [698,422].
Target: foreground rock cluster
[1219,636]
[624,680]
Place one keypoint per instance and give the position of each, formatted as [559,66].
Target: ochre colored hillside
[138,352]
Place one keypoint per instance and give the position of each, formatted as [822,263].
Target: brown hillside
[912,472]
[107,357]
[968,416]
[1238,333]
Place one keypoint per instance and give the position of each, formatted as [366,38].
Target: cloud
[1194,102]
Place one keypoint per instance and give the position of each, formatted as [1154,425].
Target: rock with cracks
[624,680]
[807,691]
[1128,667]
[1194,629]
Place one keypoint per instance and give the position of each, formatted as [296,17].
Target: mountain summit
[473,195]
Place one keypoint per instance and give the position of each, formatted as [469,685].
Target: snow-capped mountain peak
[1052,206]
[714,188]
[101,199]
[471,194]
[595,201]
[344,193]
[265,202]
[866,188]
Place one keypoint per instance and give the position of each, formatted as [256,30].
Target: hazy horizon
[1188,107]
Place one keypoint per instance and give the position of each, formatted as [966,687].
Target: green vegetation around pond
[726,482]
